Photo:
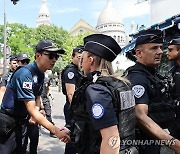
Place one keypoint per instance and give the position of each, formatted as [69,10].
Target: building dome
[109,15]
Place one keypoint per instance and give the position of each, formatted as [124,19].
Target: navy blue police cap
[149,36]
[78,49]
[175,41]
[13,58]
[102,45]
[47,45]
[22,56]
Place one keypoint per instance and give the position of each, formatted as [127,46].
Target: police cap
[13,58]
[175,41]
[47,45]
[149,36]
[78,49]
[102,45]
[22,56]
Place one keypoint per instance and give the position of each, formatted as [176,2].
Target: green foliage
[21,38]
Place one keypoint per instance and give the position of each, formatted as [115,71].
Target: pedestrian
[6,77]
[173,54]
[22,98]
[103,105]
[154,110]
[70,77]
[46,101]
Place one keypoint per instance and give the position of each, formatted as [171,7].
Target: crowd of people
[105,112]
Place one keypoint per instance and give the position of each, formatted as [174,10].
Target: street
[49,145]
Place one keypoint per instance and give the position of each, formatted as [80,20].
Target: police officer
[6,77]
[173,54]
[46,101]
[22,98]
[70,77]
[97,105]
[23,59]
[152,103]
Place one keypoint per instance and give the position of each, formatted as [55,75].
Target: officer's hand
[43,112]
[32,121]
[63,135]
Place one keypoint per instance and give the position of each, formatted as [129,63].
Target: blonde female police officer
[98,120]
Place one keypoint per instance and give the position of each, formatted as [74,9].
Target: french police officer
[70,77]
[103,102]
[22,98]
[153,111]
[6,77]
[173,54]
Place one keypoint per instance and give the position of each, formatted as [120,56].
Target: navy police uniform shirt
[71,75]
[5,79]
[22,87]
[100,107]
[144,91]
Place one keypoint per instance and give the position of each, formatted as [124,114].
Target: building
[110,23]
[82,27]
[43,15]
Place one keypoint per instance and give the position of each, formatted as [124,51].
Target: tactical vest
[86,138]
[160,108]
[16,107]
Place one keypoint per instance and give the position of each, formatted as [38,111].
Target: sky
[66,13]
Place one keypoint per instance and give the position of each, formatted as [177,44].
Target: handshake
[63,134]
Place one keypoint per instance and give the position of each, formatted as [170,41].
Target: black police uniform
[149,89]
[71,75]
[25,84]
[175,128]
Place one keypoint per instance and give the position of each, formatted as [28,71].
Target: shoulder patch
[138,90]
[35,79]
[27,85]
[70,75]
[97,110]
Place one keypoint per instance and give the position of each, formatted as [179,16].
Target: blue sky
[66,13]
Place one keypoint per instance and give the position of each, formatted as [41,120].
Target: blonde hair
[106,69]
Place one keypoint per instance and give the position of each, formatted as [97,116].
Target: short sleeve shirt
[5,79]
[143,90]
[100,107]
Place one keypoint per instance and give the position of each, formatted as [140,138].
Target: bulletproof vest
[17,107]
[62,78]
[124,106]
[176,88]
[160,108]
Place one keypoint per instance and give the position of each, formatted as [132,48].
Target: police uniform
[149,89]
[25,84]
[175,128]
[70,75]
[95,104]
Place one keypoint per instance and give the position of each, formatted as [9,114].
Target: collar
[149,69]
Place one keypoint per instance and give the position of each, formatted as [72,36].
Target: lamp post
[4,49]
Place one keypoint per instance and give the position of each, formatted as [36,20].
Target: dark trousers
[14,143]
[33,135]
[69,148]
[47,108]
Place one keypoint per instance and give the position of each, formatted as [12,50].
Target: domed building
[44,15]
[110,23]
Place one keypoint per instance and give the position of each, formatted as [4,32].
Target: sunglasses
[25,61]
[52,55]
